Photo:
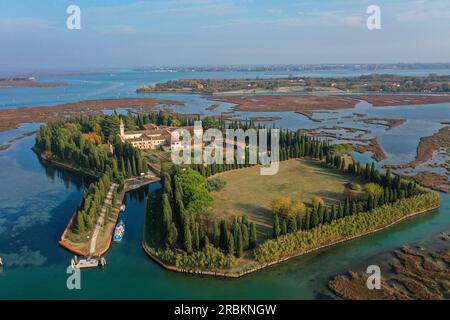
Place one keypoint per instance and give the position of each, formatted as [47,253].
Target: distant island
[375,83]
[28,83]
[287,68]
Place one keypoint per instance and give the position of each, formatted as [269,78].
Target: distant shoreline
[27,83]
[11,118]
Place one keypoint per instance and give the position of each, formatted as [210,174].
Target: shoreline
[266,265]
[121,196]
[11,118]
[27,83]
[105,248]
[65,166]
[426,147]
[405,264]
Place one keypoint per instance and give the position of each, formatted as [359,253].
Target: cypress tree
[315,218]
[320,213]
[236,230]
[187,239]
[327,218]
[129,170]
[292,226]
[307,222]
[367,172]
[239,245]
[196,238]
[205,241]
[334,214]
[245,236]
[372,172]
[223,234]
[173,235]
[252,235]
[179,207]
[284,229]
[230,247]
[370,204]
[299,222]
[354,208]
[167,216]
[347,207]
[216,234]
[80,223]
[340,210]
[245,219]
[276,227]
[133,166]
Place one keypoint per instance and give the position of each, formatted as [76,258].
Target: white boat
[87,263]
[122,208]
[1,262]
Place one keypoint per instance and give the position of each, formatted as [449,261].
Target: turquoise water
[36,203]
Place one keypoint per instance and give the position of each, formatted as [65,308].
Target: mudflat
[12,118]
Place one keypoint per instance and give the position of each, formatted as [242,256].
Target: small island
[222,219]
[27,83]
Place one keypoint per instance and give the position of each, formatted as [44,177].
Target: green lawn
[156,156]
[248,192]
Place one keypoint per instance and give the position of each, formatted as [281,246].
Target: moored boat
[122,208]
[119,231]
[89,262]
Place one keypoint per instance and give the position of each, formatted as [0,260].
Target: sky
[129,33]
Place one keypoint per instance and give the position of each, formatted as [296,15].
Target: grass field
[248,192]
[155,157]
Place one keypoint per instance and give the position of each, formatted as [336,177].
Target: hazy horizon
[129,34]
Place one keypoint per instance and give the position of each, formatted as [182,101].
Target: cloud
[302,19]
[154,8]
[335,18]
[115,30]
[25,23]
[423,15]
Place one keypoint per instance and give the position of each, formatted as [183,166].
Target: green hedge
[209,258]
[350,226]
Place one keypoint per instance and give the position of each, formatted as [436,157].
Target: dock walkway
[101,218]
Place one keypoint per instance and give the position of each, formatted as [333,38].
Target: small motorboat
[119,231]
[1,262]
[122,208]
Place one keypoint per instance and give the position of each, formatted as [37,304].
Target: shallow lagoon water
[37,202]
[35,265]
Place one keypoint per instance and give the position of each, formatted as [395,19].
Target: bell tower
[122,128]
